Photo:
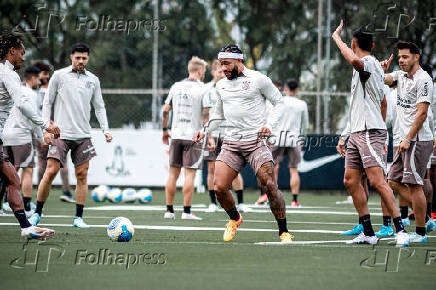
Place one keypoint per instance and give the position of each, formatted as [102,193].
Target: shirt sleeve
[304,121]
[205,100]
[99,107]
[346,132]
[272,94]
[424,91]
[394,75]
[50,97]
[368,64]
[217,116]
[169,99]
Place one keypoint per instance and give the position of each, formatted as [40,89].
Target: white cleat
[190,216]
[1,212]
[415,238]
[169,215]
[6,207]
[362,239]
[212,208]
[79,223]
[243,208]
[402,239]
[34,232]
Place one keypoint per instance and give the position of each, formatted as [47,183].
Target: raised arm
[347,52]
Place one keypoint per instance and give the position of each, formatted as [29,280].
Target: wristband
[407,140]
[165,129]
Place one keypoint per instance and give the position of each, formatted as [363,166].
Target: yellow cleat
[230,231]
[286,237]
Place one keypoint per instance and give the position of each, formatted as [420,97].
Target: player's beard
[234,73]
[43,81]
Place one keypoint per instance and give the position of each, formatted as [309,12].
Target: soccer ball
[99,194]
[144,195]
[120,229]
[115,195]
[129,195]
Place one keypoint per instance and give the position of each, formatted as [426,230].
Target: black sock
[240,196]
[404,210]
[295,197]
[26,201]
[420,231]
[262,192]
[212,196]
[79,210]
[367,227]
[67,193]
[22,219]
[398,223]
[233,214]
[282,226]
[429,207]
[39,206]
[170,208]
[386,220]
[187,209]
[434,202]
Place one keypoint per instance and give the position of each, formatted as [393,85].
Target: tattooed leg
[265,175]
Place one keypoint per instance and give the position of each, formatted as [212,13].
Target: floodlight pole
[327,70]
[319,69]
[154,106]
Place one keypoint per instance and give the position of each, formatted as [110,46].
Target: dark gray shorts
[3,154]
[21,156]
[81,151]
[186,154]
[236,154]
[293,154]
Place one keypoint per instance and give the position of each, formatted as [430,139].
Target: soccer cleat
[169,215]
[412,216]
[243,208]
[34,232]
[406,222]
[34,219]
[212,208]
[415,238]
[402,239]
[6,207]
[385,231]
[354,231]
[362,239]
[2,212]
[79,223]
[286,237]
[295,204]
[190,216]
[67,197]
[230,231]
[433,215]
[430,226]
[262,199]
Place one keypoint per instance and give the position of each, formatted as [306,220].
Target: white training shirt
[18,128]
[292,125]
[187,99]
[212,94]
[366,96]
[11,94]
[72,94]
[410,92]
[242,103]
[391,116]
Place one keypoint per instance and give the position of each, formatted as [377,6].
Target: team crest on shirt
[245,85]
[88,84]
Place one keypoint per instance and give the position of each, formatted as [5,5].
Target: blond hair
[195,64]
[215,64]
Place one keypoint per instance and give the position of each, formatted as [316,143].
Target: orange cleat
[230,231]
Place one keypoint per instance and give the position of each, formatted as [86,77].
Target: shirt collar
[411,77]
[84,72]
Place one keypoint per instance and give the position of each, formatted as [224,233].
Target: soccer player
[71,91]
[291,128]
[12,55]
[17,137]
[414,89]
[41,148]
[368,134]
[190,105]
[241,102]
[214,147]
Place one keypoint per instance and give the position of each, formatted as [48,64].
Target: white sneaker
[190,216]
[1,212]
[406,222]
[78,222]
[415,238]
[34,232]
[212,208]
[362,239]
[243,208]
[402,239]
[169,215]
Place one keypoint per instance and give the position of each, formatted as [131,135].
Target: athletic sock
[398,223]
[295,197]
[212,196]
[386,220]
[404,210]
[240,196]
[67,193]
[170,208]
[187,209]
[79,210]
[39,206]
[420,231]
[22,219]
[367,227]
[429,207]
[262,192]
[233,214]
[26,201]
[282,226]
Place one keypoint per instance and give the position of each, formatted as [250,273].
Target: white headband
[233,55]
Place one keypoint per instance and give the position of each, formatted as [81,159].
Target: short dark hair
[364,39]
[408,45]
[31,71]
[231,48]
[43,66]
[292,84]
[7,41]
[79,47]
[428,69]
